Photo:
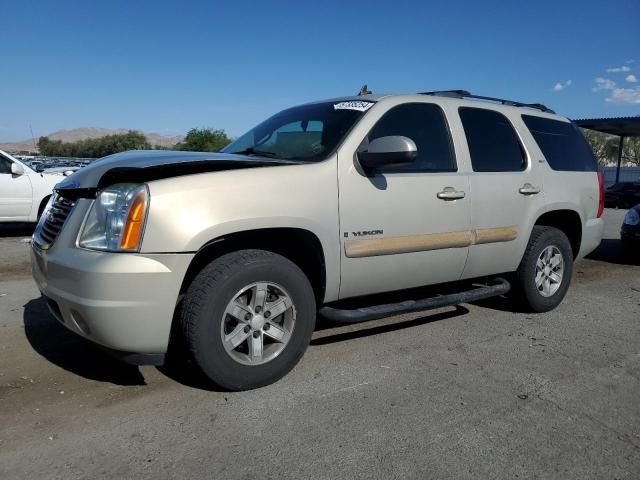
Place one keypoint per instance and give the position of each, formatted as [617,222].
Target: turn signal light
[132,229]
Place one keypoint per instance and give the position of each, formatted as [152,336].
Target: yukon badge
[364,233]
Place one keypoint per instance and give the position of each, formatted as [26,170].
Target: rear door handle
[450,193]
[528,189]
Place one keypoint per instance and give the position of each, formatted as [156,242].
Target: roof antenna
[364,91]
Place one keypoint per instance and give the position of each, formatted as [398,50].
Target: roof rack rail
[466,94]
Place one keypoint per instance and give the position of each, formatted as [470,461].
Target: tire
[539,298]
[222,287]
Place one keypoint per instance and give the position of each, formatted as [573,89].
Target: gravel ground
[474,391]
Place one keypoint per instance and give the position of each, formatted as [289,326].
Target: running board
[499,286]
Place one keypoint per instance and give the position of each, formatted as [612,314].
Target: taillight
[601,193]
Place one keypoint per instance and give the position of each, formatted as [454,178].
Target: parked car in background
[322,202]
[66,171]
[24,192]
[630,232]
[622,195]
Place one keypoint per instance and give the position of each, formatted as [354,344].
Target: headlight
[116,219]
[632,217]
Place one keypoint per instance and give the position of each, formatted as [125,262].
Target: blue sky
[169,66]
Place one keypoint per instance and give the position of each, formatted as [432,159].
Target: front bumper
[121,301]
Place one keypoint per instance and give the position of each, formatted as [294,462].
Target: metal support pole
[620,147]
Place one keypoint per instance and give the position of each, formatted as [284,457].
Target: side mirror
[17,169]
[394,150]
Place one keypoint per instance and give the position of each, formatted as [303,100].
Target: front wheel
[248,318]
[544,274]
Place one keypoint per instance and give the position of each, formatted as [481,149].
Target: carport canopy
[621,126]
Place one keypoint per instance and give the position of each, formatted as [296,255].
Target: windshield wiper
[253,151]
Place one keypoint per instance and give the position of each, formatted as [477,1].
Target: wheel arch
[43,203]
[299,245]
[566,220]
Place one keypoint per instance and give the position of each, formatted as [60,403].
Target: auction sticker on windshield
[355,105]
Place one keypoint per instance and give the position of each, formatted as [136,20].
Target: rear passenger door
[506,189]
[402,226]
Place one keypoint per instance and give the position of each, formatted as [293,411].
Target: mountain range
[84,133]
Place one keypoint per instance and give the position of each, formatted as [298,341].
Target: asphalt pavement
[474,391]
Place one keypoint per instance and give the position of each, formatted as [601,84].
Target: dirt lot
[469,392]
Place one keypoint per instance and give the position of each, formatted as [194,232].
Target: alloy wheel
[258,323]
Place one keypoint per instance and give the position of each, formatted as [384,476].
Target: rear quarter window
[562,144]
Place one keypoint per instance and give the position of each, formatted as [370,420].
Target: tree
[631,151]
[94,147]
[604,146]
[204,140]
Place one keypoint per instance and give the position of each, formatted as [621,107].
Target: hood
[147,165]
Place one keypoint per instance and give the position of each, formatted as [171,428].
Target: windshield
[306,133]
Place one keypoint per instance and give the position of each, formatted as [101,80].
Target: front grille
[52,221]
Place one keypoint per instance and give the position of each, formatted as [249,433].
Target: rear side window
[493,143]
[562,144]
[425,124]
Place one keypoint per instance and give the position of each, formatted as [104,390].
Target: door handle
[450,193]
[528,189]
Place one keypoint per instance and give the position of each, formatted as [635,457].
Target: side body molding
[421,243]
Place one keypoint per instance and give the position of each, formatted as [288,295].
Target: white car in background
[23,192]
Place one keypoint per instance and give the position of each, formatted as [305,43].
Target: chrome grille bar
[52,220]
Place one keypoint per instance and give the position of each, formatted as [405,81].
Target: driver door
[397,228]
[15,193]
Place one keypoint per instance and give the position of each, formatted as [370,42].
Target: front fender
[187,212]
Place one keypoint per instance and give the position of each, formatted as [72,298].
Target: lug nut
[247,316]
[246,329]
[256,334]
[267,326]
[258,309]
[267,314]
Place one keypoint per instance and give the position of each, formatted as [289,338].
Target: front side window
[493,143]
[562,144]
[307,133]
[425,124]
[5,164]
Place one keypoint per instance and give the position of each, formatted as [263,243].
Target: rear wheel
[544,274]
[248,318]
